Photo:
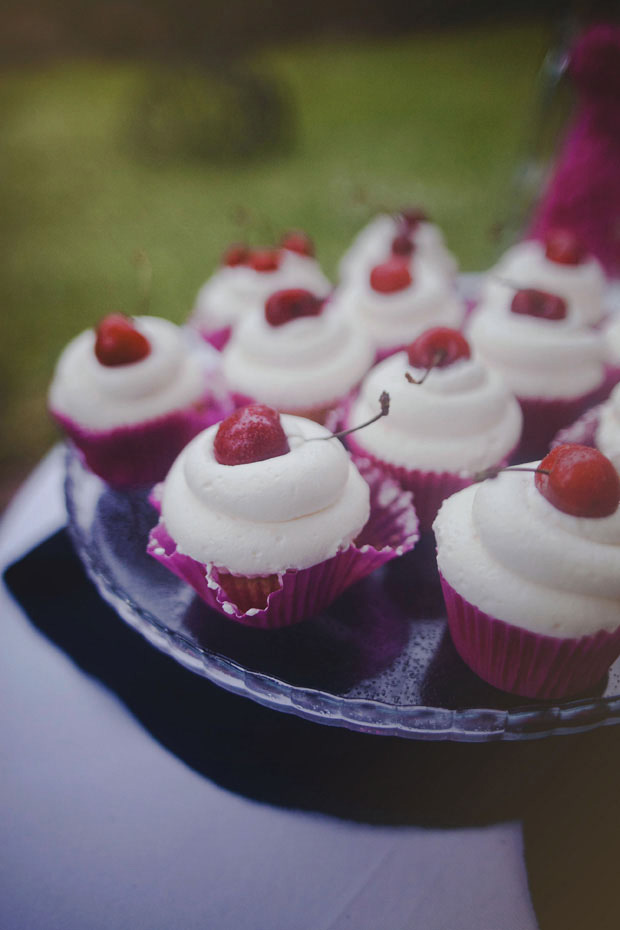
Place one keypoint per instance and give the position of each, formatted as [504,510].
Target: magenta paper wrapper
[216,337]
[329,415]
[612,378]
[429,488]
[524,663]
[543,418]
[392,530]
[382,354]
[582,431]
[131,456]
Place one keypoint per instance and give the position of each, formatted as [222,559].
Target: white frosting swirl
[303,363]
[102,397]
[232,292]
[262,518]
[536,357]
[582,285]
[504,548]
[398,318]
[611,335]
[461,419]
[373,245]
[608,431]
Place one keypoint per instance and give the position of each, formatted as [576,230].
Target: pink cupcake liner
[429,488]
[528,664]
[329,415]
[612,378]
[216,337]
[543,418]
[382,354]
[130,456]
[582,431]
[292,596]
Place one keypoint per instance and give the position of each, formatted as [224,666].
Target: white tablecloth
[103,828]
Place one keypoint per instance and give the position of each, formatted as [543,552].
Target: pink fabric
[528,664]
[392,529]
[584,191]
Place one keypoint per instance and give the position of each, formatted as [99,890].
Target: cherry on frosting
[564,247]
[402,245]
[290,304]
[438,348]
[250,434]
[236,254]
[391,276]
[540,304]
[264,259]
[579,481]
[118,342]
[298,241]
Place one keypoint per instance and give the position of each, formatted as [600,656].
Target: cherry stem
[144,273]
[384,400]
[494,472]
[436,360]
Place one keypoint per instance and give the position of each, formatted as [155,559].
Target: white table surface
[101,827]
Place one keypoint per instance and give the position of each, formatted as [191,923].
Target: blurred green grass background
[436,119]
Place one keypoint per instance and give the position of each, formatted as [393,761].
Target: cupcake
[298,354]
[530,569]
[607,435]
[397,300]
[269,520]
[458,419]
[406,233]
[611,335]
[131,394]
[551,362]
[247,277]
[559,265]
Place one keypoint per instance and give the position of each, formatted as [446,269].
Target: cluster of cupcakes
[270,513]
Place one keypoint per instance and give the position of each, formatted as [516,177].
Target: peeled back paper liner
[291,596]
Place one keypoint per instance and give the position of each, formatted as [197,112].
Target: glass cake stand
[379,660]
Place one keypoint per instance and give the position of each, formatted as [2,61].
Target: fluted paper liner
[216,337]
[582,431]
[329,415]
[294,595]
[521,662]
[429,488]
[141,454]
[543,418]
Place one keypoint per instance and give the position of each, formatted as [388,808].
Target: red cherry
[265,259]
[437,348]
[402,245]
[391,276]
[564,247]
[540,304]
[236,254]
[250,434]
[298,241]
[413,216]
[290,304]
[118,342]
[581,481]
